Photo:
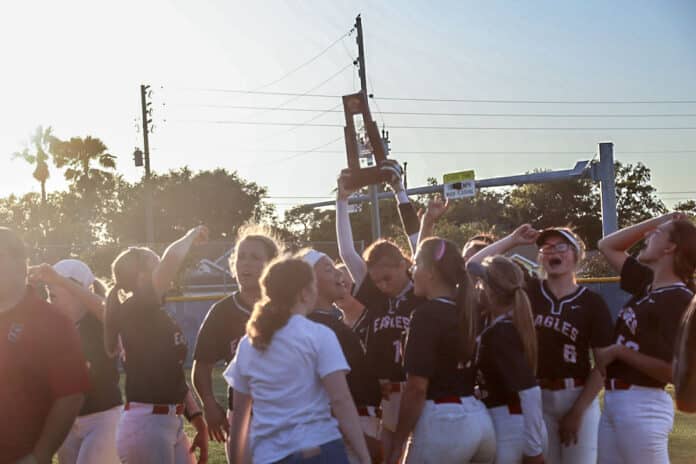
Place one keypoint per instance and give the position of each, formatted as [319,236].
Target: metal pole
[149,220]
[608,188]
[372,189]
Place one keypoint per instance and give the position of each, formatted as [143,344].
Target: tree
[40,142]
[688,207]
[220,199]
[78,155]
[636,198]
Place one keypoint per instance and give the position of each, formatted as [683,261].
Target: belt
[616,384]
[561,384]
[162,409]
[393,387]
[448,400]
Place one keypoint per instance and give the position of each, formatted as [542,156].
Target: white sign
[459,185]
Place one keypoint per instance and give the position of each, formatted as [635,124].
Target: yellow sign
[459,185]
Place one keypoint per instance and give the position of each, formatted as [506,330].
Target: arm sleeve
[409,219]
[330,357]
[233,374]
[346,248]
[66,373]
[635,277]
[210,343]
[535,435]
[421,346]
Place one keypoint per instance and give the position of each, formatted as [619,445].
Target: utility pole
[372,189]
[147,113]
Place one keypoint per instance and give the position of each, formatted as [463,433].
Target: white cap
[76,270]
[312,257]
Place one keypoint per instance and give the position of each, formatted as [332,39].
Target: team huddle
[435,355]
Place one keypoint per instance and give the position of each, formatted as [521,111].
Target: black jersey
[222,328]
[433,350]
[567,329]
[649,322]
[389,320]
[361,326]
[155,350]
[104,392]
[362,384]
[502,365]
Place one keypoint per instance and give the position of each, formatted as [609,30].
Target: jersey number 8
[569,354]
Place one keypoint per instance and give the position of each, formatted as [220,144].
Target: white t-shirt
[291,406]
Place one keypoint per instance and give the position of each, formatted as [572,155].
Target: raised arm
[407,213]
[344,235]
[174,256]
[436,208]
[614,246]
[46,274]
[523,235]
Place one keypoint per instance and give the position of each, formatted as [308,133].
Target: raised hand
[525,235]
[436,208]
[343,190]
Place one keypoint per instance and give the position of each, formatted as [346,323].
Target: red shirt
[41,360]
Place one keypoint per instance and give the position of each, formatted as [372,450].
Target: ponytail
[466,302]
[505,281]
[523,321]
[281,284]
[683,235]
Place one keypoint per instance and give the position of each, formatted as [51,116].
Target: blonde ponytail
[523,321]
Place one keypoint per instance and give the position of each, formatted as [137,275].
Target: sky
[77,66]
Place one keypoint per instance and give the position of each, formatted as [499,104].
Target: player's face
[347,281]
[250,260]
[65,302]
[330,282]
[657,244]
[390,280]
[422,277]
[557,256]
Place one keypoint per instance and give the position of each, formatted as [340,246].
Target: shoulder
[499,331]
[677,297]
[591,299]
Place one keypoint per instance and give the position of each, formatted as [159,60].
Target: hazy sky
[77,66]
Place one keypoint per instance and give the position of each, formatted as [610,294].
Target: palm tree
[78,154]
[41,141]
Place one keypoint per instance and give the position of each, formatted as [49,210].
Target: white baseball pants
[146,438]
[509,435]
[452,433]
[635,426]
[556,405]
[91,439]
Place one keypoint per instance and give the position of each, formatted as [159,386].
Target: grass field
[682,443]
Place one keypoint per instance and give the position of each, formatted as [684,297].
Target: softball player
[571,321]
[439,412]
[384,286]
[151,429]
[362,384]
[225,323]
[294,370]
[92,437]
[506,359]
[638,413]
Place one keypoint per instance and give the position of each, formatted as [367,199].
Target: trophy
[365,149]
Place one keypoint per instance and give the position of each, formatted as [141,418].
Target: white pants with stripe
[146,438]
[635,426]
[556,405]
[92,438]
[452,433]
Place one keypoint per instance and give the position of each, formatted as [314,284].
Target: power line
[306,63]
[435,113]
[306,152]
[472,128]
[467,100]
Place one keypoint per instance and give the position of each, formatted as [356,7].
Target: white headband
[312,257]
